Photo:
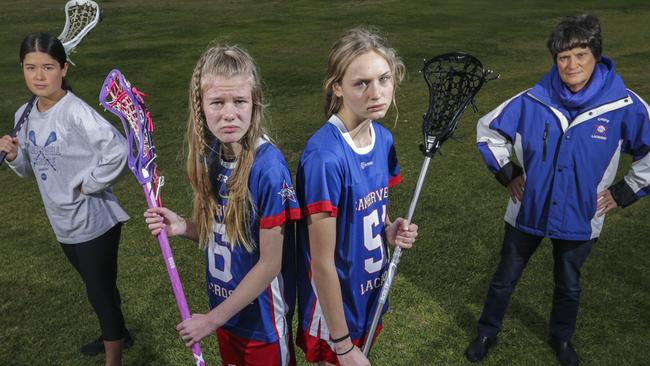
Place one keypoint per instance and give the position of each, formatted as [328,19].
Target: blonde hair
[226,61]
[352,44]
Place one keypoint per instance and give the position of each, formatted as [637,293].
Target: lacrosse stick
[80,17]
[120,98]
[21,121]
[453,80]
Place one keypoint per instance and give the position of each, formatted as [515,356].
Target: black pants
[518,247]
[96,262]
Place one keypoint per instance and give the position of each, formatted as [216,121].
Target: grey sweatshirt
[66,147]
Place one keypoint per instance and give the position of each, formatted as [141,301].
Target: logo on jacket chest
[600,129]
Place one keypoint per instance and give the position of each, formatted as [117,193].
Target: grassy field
[440,287]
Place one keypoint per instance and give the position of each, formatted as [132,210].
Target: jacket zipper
[545,141]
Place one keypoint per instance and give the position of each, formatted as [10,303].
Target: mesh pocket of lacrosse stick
[80,17]
[453,80]
[126,102]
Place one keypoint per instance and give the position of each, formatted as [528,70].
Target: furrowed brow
[360,80]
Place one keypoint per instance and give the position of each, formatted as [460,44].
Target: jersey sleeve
[320,180]
[394,173]
[275,196]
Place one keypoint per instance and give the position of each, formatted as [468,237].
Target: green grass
[440,287]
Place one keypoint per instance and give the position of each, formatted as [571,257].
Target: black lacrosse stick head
[453,80]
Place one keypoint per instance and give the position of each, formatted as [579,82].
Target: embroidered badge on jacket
[600,132]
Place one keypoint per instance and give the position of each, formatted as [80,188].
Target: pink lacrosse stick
[120,98]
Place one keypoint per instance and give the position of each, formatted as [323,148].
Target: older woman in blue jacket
[568,133]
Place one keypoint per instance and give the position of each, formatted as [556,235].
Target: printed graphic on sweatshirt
[43,156]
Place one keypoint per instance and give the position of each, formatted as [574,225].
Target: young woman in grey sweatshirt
[74,155]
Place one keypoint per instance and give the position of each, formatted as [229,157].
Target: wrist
[183,225]
[622,194]
[343,346]
[508,173]
[339,339]
[186,229]
[344,351]
[215,319]
[391,233]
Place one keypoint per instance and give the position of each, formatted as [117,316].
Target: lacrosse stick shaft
[175,280]
[21,121]
[392,267]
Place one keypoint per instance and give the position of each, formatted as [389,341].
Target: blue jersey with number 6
[268,317]
[351,184]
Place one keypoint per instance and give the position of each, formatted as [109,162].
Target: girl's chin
[43,93]
[229,139]
[38,92]
[377,115]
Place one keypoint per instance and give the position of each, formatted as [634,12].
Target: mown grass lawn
[440,287]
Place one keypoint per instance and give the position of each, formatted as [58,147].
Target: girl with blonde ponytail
[243,200]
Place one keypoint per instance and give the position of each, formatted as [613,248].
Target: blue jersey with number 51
[351,184]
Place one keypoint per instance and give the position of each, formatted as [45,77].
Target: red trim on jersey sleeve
[294,214]
[393,181]
[322,206]
[291,214]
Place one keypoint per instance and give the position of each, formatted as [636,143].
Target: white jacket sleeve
[109,144]
[496,133]
[636,183]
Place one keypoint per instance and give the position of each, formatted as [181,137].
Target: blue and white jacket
[568,151]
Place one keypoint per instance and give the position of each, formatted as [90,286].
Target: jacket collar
[611,88]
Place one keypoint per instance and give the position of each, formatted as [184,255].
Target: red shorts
[239,351]
[317,349]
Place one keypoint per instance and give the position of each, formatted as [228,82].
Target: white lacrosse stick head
[80,17]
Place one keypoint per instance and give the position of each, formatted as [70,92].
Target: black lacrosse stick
[453,80]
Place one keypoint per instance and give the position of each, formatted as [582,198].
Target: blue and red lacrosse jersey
[350,184]
[268,317]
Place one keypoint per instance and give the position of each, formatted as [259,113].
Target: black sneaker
[565,353]
[478,349]
[97,346]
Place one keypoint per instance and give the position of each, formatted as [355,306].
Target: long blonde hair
[226,61]
[352,44]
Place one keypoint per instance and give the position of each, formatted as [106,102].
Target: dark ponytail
[46,43]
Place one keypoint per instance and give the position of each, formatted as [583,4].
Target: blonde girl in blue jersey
[342,182]
[243,202]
